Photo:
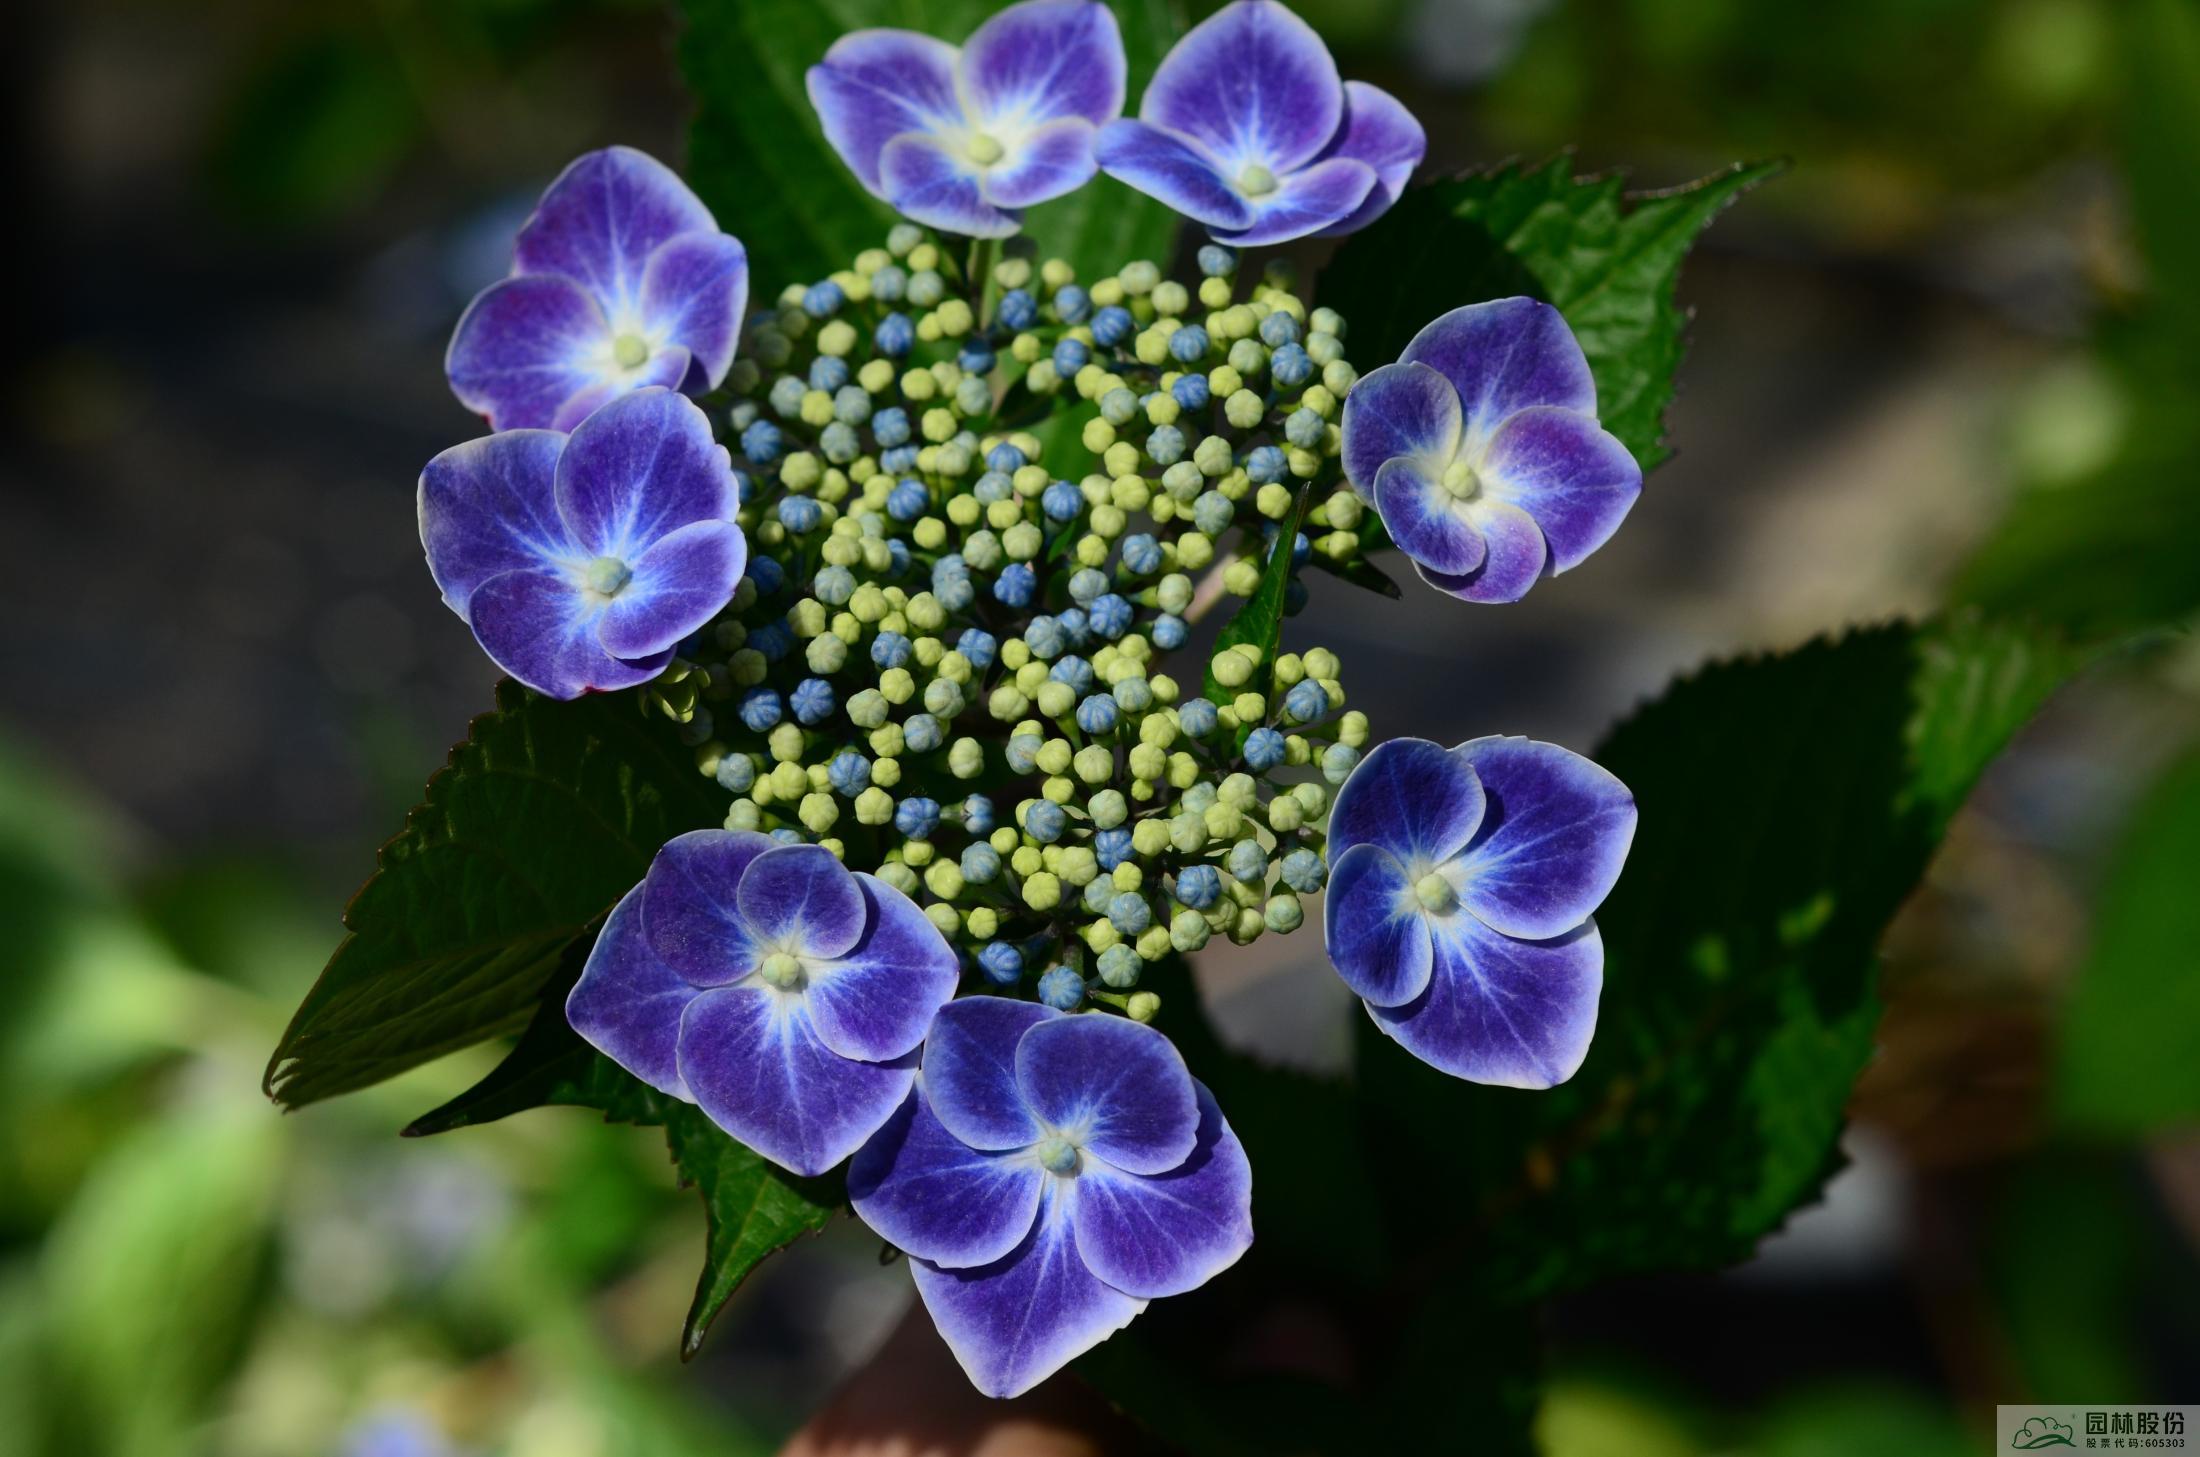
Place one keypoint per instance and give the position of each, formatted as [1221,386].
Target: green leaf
[542,819]
[1606,258]
[1789,805]
[1259,623]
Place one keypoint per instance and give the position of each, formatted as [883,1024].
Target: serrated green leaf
[542,819]
[1259,623]
[1606,258]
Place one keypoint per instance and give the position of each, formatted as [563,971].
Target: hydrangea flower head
[581,560]
[1247,128]
[620,280]
[963,138]
[1051,1173]
[1461,884]
[780,992]
[1481,450]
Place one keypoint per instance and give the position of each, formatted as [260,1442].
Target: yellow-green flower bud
[966,758]
[819,812]
[1094,764]
[1149,837]
[1352,729]
[1148,762]
[886,772]
[1231,668]
[1043,892]
[944,918]
[785,743]
[1078,866]
[944,879]
[1188,931]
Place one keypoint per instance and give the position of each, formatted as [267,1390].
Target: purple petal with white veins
[1013,1323]
[802,897]
[874,85]
[489,507]
[1170,169]
[1164,1234]
[603,217]
[688,907]
[679,585]
[1114,1086]
[665,369]
[627,1003]
[695,289]
[640,468]
[1049,161]
[1513,1014]
[970,1070]
[1252,83]
[879,998]
[1569,473]
[1414,798]
[1041,60]
[1379,131]
[1513,558]
[1424,519]
[929,1194]
[1505,356]
[754,1064]
[1399,409]
[1552,840]
[525,348]
[933,182]
[1305,202]
[536,626]
[1373,929]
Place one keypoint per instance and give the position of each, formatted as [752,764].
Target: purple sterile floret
[621,280]
[1460,890]
[964,139]
[781,992]
[1049,1175]
[1247,128]
[581,560]
[1480,449]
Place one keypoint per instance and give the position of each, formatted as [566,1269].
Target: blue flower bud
[1023,752]
[1044,821]
[1072,304]
[760,710]
[1265,463]
[1197,717]
[981,863]
[889,283]
[786,395]
[1165,446]
[851,404]
[1014,586]
[1129,913]
[1198,886]
[979,646]
[1074,671]
[1075,626]
[922,734]
[974,358]
[949,567]
[800,515]
[897,556]
[908,500]
[1168,632]
[1290,366]
[1098,892]
[1017,310]
[812,701]
[760,442]
[822,300]
[1071,355]
[1119,967]
[785,836]
[849,773]
[1279,329]
[1306,701]
[828,373]
[898,459]
[917,818]
[838,443]
[1213,512]
[1005,458]
[1045,637]
[973,396]
[766,573]
[1141,554]
[890,650]
[977,814]
[1001,962]
[1191,391]
[1112,325]
[1097,714]
[1062,501]
[1110,616]
[736,773]
[1085,584]
[1188,344]
[1217,261]
[992,486]
[895,336]
[1263,750]
[1247,862]
[956,594]
[1304,429]
[744,486]
[1062,989]
[1303,871]
[891,425]
[1111,847]
[834,585]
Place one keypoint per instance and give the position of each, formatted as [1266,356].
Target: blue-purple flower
[1460,888]
[1051,1174]
[1247,129]
[768,984]
[1480,449]
[964,139]
[620,280]
[581,561]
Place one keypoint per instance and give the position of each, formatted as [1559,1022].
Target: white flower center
[1435,893]
[630,351]
[1057,1155]
[1255,180]
[782,971]
[984,149]
[1461,481]
[606,576]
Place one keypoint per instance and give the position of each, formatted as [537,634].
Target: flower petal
[970,1070]
[640,468]
[1041,60]
[1049,161]
[1553,839]
[1399,409]
[627,1003]
[1514,555]
[755,1065]
[931,1195]
[1168,1233]
[688,908]
[1372,928]
[1167,167]
[879,998]
[488,507]
[1424,519]
[695,290]
[536,626]
[679,585]
[1252,83]
[1379,131]
[802,896]
[603,217]
[1568,472]
[1017,1321]
[1117,1087]
[874,85]
[1504,356]
[1306,202]
[932,181]
[1513,1014]
[535,354]
[1416,799]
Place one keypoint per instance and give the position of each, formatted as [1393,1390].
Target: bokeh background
[244,229]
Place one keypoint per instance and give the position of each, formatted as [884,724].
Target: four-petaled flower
[1480,449]
[1460,887]
[1247,129]
[963,139]
[1050,1174]
[779,991]
[620,280]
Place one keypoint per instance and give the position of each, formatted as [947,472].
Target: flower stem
[984,292]
[1209,590]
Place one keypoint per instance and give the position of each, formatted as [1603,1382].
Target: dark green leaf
[542,819]
[1607,259]
[1259,623]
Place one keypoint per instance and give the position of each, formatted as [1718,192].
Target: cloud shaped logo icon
[2040,1432]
